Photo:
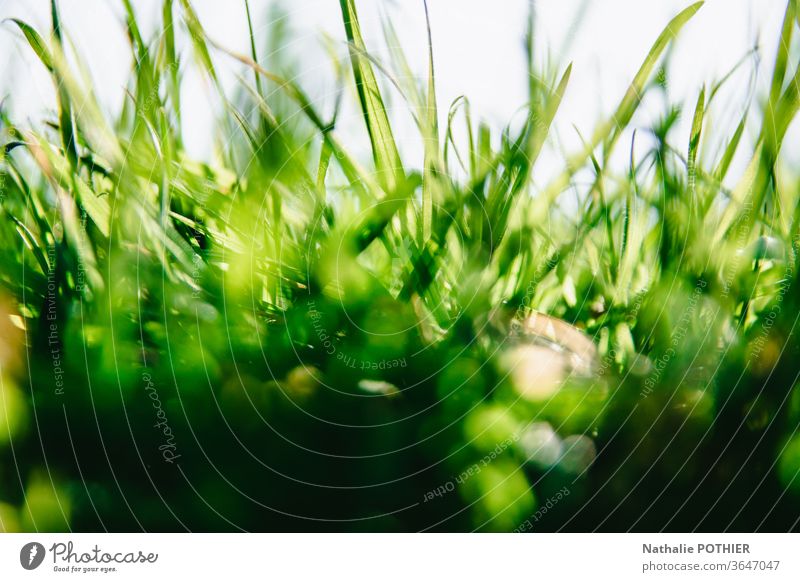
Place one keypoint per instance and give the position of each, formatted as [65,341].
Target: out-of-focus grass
[296,338]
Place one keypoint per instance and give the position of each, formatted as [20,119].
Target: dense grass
[293,337]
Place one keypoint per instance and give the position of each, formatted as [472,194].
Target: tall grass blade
[172,63]
[608,133]
[65,117]
[431,137]
[694,143]
[781,109]
[36,43]
[198,38]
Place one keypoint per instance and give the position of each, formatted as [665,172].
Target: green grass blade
[730,150]
[630,102]
[358,176]
[384,148]
[608,133]
[541,127]
[36,42]
[431,162]
[171,62]
[198,38]
[253,51]
[95,128]
[780,112]
[57,169]
[65,118]
[782,56]
[694,143]
[31,241]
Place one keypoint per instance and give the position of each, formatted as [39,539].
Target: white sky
[477,45]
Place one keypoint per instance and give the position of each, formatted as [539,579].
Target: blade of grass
[172,63]
[608,132]
[352,169]
[253,51]
[522,156]
[36,42]
[782,56]
[95,128]
[431,137]
[730,150]
[65,117]
[384,148]
[780,111]
[57,169]
[198,37]
[691,158]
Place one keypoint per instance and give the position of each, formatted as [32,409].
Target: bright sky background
[478,52]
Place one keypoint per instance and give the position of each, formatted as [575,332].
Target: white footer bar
[401,557]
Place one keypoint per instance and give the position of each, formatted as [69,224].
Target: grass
[294,337]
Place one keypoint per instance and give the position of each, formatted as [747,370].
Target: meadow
[294,337]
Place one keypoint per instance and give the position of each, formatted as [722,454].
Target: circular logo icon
[31,555]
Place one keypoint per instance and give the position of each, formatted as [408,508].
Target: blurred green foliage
[292,338]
